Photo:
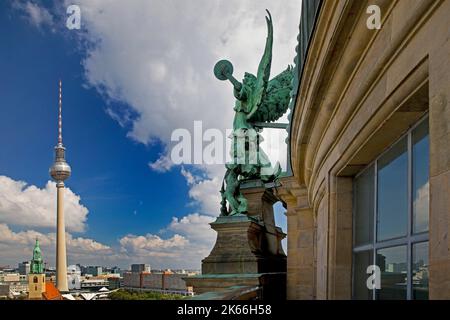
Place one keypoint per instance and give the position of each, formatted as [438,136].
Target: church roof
[51,292]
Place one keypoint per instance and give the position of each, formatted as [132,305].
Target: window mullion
[410,209]
[375,209]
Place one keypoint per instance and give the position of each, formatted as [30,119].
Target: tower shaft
[61,258]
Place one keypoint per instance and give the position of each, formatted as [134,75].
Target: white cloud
[196,228]
[151,244]
[27,205]
[190,178]
[158,56]
[18,246]
[192,241]
[206,194]
[123,118]
[35,14]
[162,164]
[159,252]
[204,191]
[79,245]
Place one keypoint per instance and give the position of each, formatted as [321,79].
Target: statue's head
[249,79]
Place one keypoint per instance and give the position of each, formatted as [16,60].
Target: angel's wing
[275,101]
[263,74]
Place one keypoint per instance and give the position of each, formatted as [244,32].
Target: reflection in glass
[364,195]
[361,261]
[420,271]
[420,162]
[393,266]
[393,192]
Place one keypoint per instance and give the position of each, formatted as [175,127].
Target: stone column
[439,280]
[340,239]
[301,242]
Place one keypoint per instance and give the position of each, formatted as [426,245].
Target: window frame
[410,238]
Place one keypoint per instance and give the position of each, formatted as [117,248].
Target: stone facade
[360,90]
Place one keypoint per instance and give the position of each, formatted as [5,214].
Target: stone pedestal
[248,250]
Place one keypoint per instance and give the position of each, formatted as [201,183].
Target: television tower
[60,171]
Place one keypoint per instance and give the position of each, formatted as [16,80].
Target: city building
[114,283]
[116,270]
[24,268]
[13,290]
[165,282]
[94,284]
[13,285]
[369,139]
[9,277]
[137,268]
[60,171]
[74,277]
[92,271]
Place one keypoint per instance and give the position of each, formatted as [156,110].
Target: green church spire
[37,264]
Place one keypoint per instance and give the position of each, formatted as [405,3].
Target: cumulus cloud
[192,240]
[151,244]
[158,56]
[159,252]
[206,194]
[79,245]
[18,245]
[195,227]
[28,205]
[35,14]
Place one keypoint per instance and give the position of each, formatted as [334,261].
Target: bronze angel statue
[258,100]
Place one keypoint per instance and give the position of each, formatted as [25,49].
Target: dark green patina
[37,264]
[258,101]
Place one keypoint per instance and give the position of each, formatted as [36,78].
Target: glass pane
[420,271]
[392,190]
[393,266]
[421,165]
[361,261]
[364,201]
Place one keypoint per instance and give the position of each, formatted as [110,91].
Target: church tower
[36,277]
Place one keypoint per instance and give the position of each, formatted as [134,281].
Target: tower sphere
[60,170]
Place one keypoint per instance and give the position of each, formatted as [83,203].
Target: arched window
[35,279]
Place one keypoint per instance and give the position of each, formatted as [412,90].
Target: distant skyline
[132,74]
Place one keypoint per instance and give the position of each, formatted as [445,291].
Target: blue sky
[125,89]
